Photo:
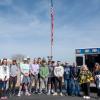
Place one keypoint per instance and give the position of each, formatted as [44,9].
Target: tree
[18,57]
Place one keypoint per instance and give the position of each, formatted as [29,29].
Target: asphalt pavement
[50,97]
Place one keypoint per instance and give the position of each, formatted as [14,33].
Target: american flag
[52,23]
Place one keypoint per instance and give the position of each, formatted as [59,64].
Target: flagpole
[52,29]
[51,55]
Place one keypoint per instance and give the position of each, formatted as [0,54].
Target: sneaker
[48,93]
[66,94]
[84,97]
[36,91]
[5,97]
[52,91]
[61,94]
[2,98]
[27,94]
[10,95]
[22,92]
[87,97]
[19,94]
[40,92]
[55,94]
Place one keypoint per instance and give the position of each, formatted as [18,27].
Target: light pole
[49,58]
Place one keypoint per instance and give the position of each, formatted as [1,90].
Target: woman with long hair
[85,78]
[97,79]
[4,76]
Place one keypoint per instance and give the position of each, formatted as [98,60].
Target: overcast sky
[25,27]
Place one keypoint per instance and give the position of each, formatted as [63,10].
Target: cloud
[5,2]
[25,28]
[23,22]
[23,33]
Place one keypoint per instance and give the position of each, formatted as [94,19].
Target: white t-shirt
[59,71]
[4,72]
[98,77]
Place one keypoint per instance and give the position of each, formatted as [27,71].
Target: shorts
[25,79]
[50,80]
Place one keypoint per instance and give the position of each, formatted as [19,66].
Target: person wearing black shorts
[51,78]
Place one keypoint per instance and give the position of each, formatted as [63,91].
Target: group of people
[49,77]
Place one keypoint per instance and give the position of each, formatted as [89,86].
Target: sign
[88,51]
[79,51]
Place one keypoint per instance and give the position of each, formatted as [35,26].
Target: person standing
[44,72]
[67,76]
[34,71]
[85,78]
[39,61]
[75,74]
[58,73]
[97,79]
[51,78]
[13,77]
[24,78]
[4,77]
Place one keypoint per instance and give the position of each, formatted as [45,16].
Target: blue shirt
[67,72]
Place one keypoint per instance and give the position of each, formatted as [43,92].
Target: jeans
[98,92]
[3,86]
[67,86]
[76,88]
[72,86]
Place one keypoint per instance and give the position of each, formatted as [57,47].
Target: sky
[25,27]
